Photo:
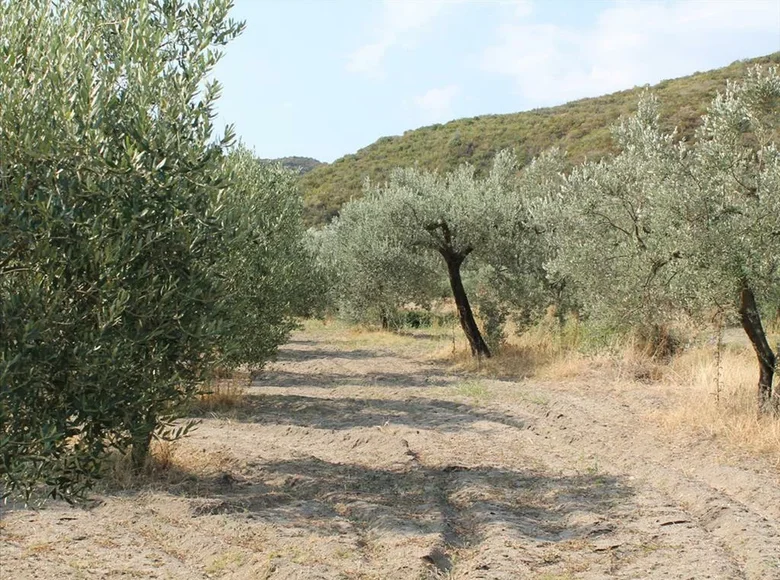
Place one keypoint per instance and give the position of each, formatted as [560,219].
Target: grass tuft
[161,468]
[475,390]
[222,395]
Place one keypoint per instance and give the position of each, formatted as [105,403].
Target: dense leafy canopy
[134,254]
[369,275]
[664,227]
[264,267]
[668,223]
[396,243]
[610,223]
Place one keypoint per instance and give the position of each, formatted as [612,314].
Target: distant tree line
[299,165]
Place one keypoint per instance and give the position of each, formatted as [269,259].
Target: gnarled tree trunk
[454,259]
[466,316]
[767,359]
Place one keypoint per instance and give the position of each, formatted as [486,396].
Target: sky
[324,78]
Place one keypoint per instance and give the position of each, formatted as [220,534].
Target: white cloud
[368,58]
[400,20]
[436,104]
[523,8]
[630,43]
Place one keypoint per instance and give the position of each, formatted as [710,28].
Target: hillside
[299,164]
[580,127]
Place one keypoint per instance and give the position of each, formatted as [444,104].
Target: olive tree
[454,217]
[110,180]
[371,275]
[265,271]
[610,222]
[732,210]
[515,278]
[668,225]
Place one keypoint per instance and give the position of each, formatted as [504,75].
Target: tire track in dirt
[488,526]
[740,516]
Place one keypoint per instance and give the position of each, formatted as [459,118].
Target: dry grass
[348,336]
[520,361]
[525,360]
[160,468]
[169,465]
[721,403]
[543,352]
[222,394]
[166,464]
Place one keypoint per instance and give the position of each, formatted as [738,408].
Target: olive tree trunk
[465,315]
[143,432]
[767,359]
[384,319]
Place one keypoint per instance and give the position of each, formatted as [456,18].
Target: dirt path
[356,459]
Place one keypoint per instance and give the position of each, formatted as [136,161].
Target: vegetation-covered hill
[298,164]
[580,127]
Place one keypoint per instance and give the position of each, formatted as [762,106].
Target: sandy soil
[355,458]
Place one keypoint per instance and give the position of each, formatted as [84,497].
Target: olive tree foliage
[668,225]
[368,274]
[610,221]
[111,184]
[266,273]
[733,210]
[452,218]
[516,280]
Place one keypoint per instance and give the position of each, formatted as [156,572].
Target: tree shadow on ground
[347,413]
[298,355]
[285,378]
[427,336]
[458,502]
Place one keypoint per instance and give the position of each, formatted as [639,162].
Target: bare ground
[357,457]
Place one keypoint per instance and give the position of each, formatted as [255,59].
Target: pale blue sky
[323,78]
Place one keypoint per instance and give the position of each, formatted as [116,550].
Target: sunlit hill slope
[580,127]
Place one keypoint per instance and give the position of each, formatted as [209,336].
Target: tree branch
[612,224]
[658,264]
